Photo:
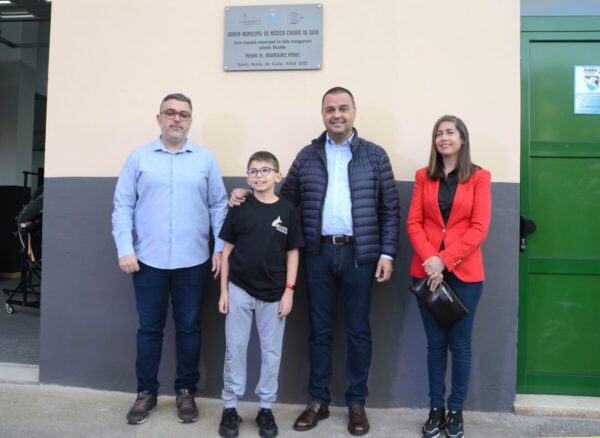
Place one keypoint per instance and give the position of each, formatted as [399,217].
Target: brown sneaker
[358,423]
[187,412]
[144,404]
[308,419]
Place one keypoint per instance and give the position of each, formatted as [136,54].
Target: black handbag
[443,302]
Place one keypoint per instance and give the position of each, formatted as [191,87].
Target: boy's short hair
[264,156]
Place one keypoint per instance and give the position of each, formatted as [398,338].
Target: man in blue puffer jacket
[350,211]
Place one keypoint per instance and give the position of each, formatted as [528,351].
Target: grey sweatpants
[238,324]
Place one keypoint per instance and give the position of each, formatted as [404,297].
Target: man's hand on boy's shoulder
[238,196]
[286,303]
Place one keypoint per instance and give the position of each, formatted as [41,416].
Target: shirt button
[444,230]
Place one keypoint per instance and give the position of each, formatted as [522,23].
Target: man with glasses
[350,212]
[168,197]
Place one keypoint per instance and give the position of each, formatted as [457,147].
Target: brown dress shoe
[308,419]
[358,423]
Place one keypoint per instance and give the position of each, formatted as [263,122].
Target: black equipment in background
[12,200]
[29,235]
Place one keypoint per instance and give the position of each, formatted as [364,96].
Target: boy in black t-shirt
[258,274]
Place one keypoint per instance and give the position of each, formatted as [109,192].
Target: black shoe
[435,423]
[454,426]
[187,412]
[230,423]
[144,404]
[266,423]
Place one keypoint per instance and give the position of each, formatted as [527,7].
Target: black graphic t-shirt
[261,235]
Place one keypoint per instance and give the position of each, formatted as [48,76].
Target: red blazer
[464,233]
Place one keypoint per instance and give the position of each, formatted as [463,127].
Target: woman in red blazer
[448,220]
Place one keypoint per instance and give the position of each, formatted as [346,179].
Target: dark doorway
[24,44]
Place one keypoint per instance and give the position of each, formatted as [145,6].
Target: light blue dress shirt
[165,203]
[337,209]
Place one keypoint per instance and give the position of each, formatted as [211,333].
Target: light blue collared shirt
[165,204]
[337,209]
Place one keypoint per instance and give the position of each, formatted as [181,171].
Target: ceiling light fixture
[5,2]
[13,16]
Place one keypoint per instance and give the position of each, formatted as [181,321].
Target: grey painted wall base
[89,321]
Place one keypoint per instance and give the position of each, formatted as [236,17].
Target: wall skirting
[89,320]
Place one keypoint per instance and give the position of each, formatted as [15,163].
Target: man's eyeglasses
[171,113]
[263,171]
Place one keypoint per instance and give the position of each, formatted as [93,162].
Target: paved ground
[19,332]
[53,411]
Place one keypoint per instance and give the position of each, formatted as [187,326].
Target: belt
[338,240]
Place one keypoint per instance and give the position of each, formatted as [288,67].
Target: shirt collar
[452,177]
[160,146]
[345,145]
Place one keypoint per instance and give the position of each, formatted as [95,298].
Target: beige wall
[407,62]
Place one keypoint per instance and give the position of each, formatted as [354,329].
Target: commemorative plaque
[279,37]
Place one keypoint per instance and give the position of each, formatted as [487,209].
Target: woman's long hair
[464,166]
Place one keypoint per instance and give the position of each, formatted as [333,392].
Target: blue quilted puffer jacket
[375,199]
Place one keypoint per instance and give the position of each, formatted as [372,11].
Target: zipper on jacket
[352,206]
[323,157]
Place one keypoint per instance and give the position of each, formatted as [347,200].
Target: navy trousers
[333,270]
[455,338]
[153,288]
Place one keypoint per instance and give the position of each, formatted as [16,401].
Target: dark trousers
[334,269]
[153,287]
[457,338]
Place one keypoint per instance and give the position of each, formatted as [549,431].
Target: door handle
[527,227]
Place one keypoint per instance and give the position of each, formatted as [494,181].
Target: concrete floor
[552,405]
[52,411]
[19,332]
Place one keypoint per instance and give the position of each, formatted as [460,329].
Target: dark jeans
[455,337]
[152,290]
[328,272]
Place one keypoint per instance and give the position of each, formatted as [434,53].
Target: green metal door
[559,303]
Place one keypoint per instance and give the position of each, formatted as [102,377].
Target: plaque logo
[294,18]
[273,18]
[249,22]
